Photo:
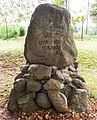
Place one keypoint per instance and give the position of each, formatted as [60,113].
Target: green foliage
[93,12]
[78,19]
[15,12]
[60,2]
[12,32]
[75,20]
[40,1]
[2,33]
[22,31]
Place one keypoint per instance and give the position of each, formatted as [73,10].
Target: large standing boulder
[48,39]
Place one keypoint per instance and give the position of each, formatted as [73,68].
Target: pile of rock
[40,86]
[50,77]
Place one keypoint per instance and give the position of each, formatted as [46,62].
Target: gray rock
[43,72]
[42,100]
[12,103]
[28,76]
[53,84]
[72,68]
[79,101]
[66,71]
[67,90]
[24,68]
[48,40]
[58,100]
[19,75]
[20,85]
[76,75]
[33,86]
[75,64]
[67,78]
[29,107]
[54,68]
[32,68]
[59,75]
[79,84]
[25,98]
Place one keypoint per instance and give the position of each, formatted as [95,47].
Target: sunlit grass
[87,59]
[9,45]
[77,36]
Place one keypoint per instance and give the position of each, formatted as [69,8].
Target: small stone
[23,99]
[79,101]
[19,75]
[42,100]
[59,75]
[75,64]
[67,78]
[33,68]
[79,84]
[76,75]
[65,71]
[54,68]
[29,107]
[58,100]
[67,90]
[71,68]
[27,76]
[26,98]
[20,85]
[12,103]
[33,86]
[53,84]
[43,81]
[43,72]
[24,68]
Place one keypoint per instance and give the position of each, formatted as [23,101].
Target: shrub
[12,32]
[22,31]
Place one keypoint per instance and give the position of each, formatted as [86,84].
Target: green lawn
[87,58]
[13,44]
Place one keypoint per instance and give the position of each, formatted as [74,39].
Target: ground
[10,66]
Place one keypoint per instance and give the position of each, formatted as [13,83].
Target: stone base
[39,86]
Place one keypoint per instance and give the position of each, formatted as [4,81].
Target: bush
[2,33]
[12,32]
[22,31]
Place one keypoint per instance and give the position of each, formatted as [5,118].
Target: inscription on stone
[44,45]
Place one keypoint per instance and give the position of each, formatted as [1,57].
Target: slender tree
[93,12]
[87,17]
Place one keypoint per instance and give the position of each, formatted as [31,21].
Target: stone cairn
[50,79]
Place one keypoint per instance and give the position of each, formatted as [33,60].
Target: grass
[13,44]
[77,36]
[88,66]
[87,58]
